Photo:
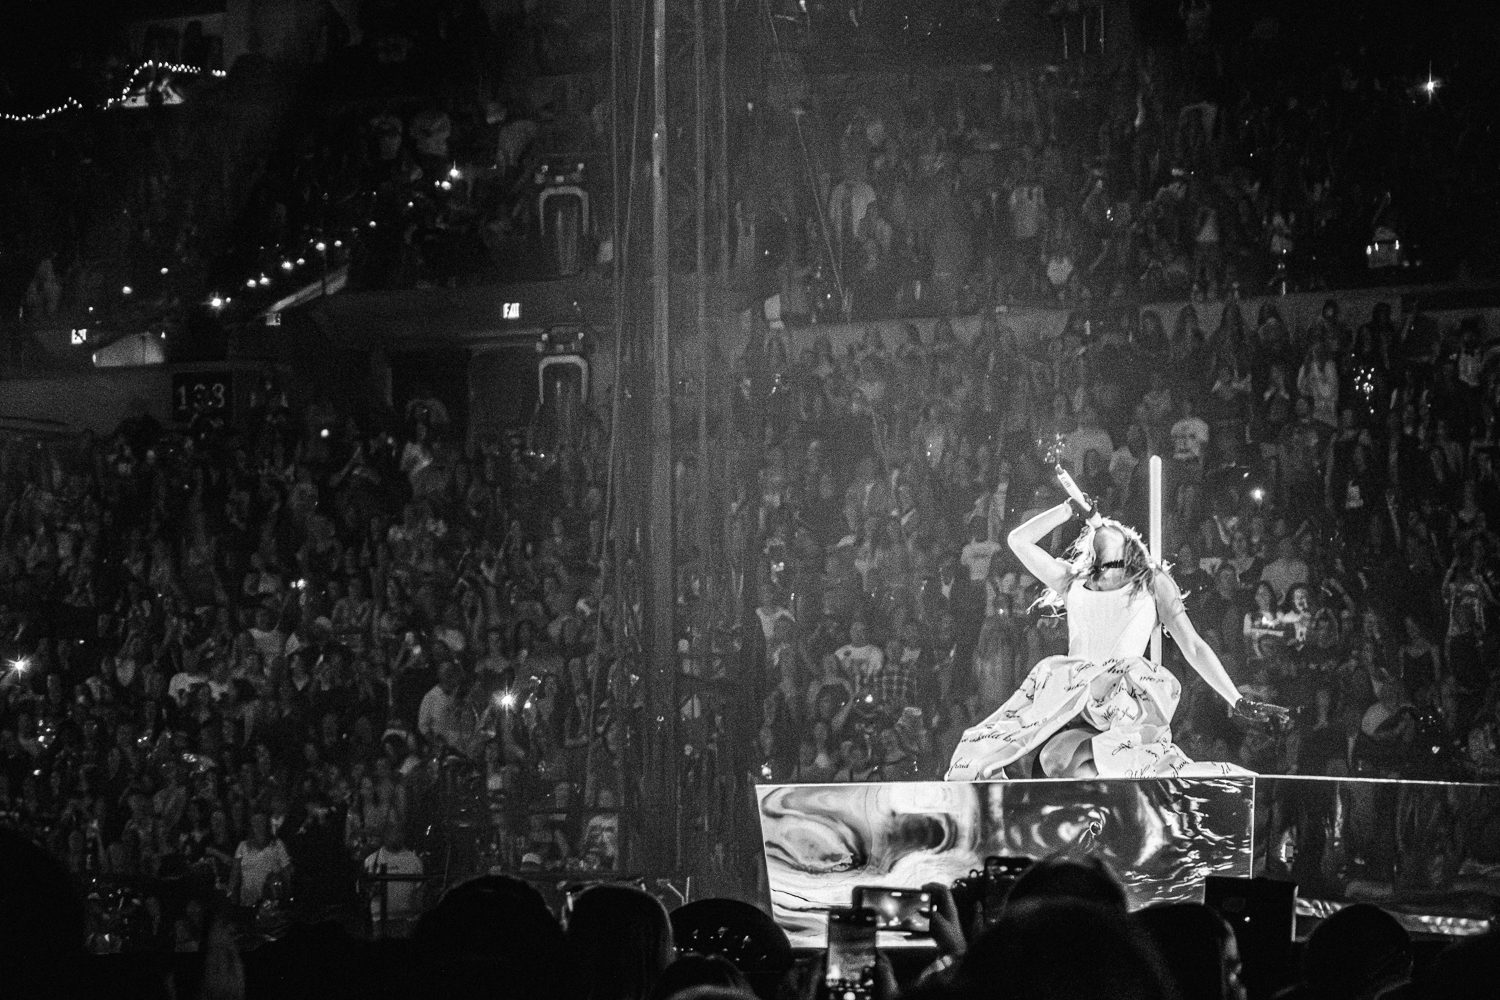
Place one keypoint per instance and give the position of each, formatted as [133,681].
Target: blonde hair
[1140,571]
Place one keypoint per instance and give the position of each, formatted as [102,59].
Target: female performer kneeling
[1103,709]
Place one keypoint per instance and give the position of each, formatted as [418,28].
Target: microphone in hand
[1262,712]
[1079,500]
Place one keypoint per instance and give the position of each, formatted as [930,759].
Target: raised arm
[1052,571]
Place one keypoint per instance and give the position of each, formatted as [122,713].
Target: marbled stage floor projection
[1427,851]
[1162,835]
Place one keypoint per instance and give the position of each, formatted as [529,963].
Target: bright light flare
[1431,85]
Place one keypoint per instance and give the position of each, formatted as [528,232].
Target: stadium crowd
[259,655]
[1327,498]
[230,647]
[1194,166]
[256,661]
[1188,169]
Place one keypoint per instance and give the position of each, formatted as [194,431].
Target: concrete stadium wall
[100,399]
[95,400]
[1044,322]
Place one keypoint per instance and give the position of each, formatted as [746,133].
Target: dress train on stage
[1103,693]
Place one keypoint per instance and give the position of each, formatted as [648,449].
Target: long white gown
[1105,681]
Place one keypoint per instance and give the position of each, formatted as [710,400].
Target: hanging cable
[611,481]
[812,180]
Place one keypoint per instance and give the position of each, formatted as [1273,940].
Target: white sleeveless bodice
[1109,624]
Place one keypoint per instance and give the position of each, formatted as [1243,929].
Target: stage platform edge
[1429,851]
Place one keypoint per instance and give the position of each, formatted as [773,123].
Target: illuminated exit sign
[510,310]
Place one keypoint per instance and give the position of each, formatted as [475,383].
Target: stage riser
[1162,835]
[1428,850]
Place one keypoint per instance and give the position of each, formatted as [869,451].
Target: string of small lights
[149,66]
[302,261]
[307,257]
[316,254]
[319,246]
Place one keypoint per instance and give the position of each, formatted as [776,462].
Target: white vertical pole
[1153,540]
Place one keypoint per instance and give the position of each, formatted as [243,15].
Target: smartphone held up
[850,966]
[907,911]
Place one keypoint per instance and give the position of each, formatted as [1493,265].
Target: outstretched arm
[1023,541]
[1198,653]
